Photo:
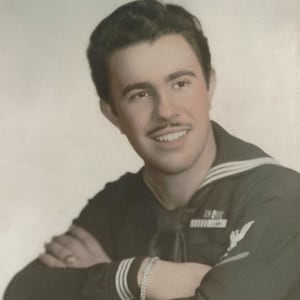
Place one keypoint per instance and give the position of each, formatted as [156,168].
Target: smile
[171,136]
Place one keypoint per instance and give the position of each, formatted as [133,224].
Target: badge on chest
[211,219]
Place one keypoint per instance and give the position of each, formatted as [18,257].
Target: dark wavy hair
[141,21]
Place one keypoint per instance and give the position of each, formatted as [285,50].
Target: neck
[176,189]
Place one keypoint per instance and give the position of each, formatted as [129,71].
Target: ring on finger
[69,259]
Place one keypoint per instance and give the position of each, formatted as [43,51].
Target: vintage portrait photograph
[150,149]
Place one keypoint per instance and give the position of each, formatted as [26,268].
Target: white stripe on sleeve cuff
[121,279]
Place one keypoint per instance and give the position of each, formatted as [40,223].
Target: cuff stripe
[121,279]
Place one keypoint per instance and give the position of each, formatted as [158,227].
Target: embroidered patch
[237,235]
[208,223]
[213,214]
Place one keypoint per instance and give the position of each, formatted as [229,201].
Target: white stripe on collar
[235,167]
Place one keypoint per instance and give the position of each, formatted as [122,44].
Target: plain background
[57,150]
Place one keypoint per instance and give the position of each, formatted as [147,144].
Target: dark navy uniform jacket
[244,221]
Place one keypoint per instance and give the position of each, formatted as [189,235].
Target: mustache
[168,124]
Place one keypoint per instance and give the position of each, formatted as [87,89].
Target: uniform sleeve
[262,261]
[96,217]
[36,282]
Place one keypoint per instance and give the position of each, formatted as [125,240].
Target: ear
[212,85]
[110,113]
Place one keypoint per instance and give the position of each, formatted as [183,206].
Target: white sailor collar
[234,156]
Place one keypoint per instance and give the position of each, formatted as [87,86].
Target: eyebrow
[180,73]
[135,86]
[147,85]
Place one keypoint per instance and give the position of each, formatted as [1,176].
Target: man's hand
[75,249]
[180,279]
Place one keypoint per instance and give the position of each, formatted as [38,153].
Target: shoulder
[269,191]
[123,183]
[113,197]
[273,179]
[120,188]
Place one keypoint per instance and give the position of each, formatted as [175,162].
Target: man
[208,216]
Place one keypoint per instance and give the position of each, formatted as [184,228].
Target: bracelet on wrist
[146,275]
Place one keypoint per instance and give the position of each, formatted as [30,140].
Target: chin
[170,168]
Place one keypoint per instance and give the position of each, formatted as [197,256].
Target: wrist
[141,271]
[126,282]
[143,279]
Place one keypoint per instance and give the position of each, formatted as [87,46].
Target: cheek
[135,115]
[130,124]
[197,98]
[198,108]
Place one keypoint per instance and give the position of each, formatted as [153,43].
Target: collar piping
[235,167]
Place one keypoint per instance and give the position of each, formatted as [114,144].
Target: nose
[165,109]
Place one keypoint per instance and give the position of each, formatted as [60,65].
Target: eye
[181,83]
[139,95]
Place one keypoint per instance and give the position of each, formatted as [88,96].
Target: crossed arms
[82,265]
[79,249]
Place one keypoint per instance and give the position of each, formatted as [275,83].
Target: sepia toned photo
[150,150]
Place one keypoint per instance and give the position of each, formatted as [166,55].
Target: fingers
[83,236]
[57,250]
[51,261]
[76,249]
[65,244]
[91,244]
[66,250]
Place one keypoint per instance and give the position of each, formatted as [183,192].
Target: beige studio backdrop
[57,150]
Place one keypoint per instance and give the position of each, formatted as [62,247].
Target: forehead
[149,60]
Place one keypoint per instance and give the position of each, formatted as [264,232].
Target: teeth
[171,136]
